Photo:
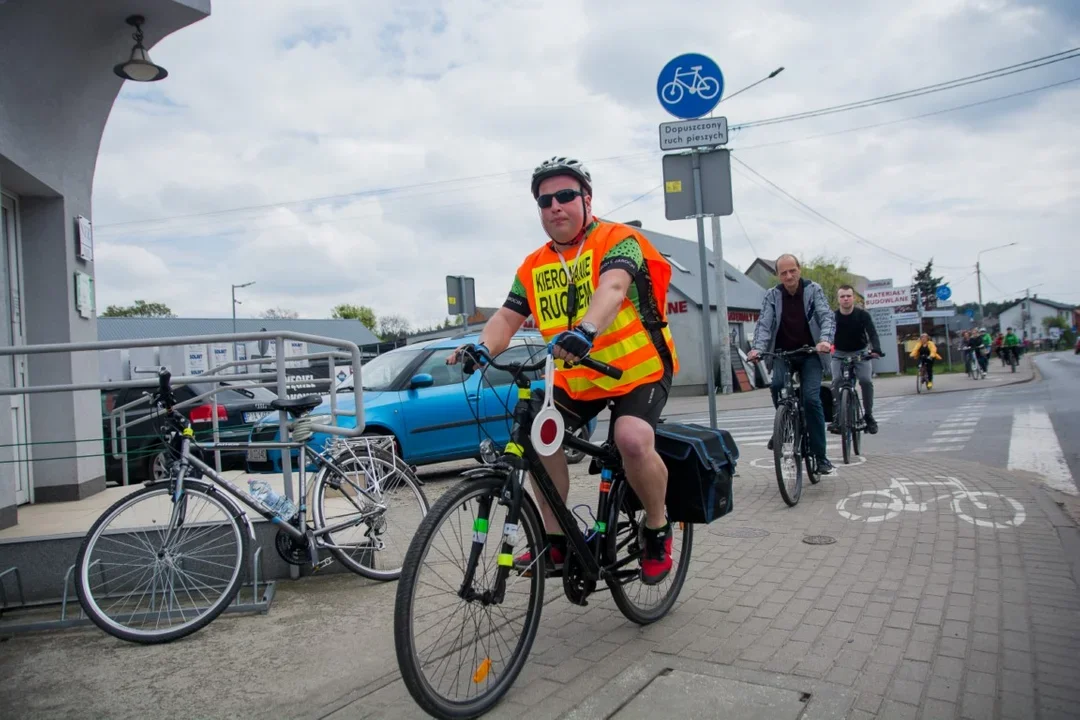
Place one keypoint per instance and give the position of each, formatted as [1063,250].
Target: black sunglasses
[563,196]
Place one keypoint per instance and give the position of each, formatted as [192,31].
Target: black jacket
[865,331]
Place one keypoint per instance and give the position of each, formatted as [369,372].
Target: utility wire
[746,234]
[917,92]
[508,175]
[856,236]
[631,202]
[999,98]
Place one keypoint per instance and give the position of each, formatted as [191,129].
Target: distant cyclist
[926,353]
[1011,345]
[977,345]
[855,332]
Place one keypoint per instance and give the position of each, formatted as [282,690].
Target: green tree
[363,313]
[926,282]
[830,273]
[279,313]
[141,308]
[393,326]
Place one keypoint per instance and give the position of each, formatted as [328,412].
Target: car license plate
[256,454]
[252,417]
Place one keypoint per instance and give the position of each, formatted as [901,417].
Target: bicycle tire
[918,381]
[408,663]
[786,420]
[82,575]
[620,508]
[856,433]
[323,480]
[846,425]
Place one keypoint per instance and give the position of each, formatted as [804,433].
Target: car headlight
[322,419]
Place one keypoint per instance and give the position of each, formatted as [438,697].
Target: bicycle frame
[517,462]
[189,459]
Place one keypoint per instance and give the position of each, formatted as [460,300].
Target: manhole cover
[819,540]
[743,532]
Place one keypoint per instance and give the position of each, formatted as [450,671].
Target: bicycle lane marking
[881,504]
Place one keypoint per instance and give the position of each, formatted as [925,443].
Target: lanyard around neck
[571,286]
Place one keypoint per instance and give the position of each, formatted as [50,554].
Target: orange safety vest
[626,343]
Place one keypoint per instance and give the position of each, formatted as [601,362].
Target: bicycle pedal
[325,562]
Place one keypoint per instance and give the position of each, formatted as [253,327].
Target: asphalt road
[1033,426]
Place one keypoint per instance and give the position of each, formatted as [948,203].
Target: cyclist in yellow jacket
[926,352]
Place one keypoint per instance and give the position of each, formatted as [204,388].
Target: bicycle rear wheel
[152,569]
[847,425]
[787,440]
[448,674]
[369,541]
[641,603]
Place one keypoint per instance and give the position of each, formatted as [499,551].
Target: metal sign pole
[722,309]
[706,321]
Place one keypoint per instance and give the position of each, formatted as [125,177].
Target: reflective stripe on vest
[625,344]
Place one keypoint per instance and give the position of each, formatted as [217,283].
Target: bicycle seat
[297,406]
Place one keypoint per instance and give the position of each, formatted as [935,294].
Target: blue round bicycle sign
[943,292]
[690,86]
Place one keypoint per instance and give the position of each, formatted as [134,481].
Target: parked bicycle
[461,562]
[850,409]
[791,437]
[188,536]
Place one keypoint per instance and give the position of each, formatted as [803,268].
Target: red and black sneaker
[656,560]
[556,557]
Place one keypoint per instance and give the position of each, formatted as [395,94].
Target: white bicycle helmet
[561,166]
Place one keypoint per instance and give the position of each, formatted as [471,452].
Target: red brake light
[205,413]
[548,430]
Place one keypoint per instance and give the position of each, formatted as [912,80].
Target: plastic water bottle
[278,504]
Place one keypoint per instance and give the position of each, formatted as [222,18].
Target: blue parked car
[429,407]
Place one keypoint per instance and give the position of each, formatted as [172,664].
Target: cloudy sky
[359,152]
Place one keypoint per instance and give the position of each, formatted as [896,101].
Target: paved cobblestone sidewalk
[922,614]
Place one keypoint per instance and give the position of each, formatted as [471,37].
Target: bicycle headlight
[488,452]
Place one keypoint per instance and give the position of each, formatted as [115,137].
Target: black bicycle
[791,438]
[849,410]
[461,669]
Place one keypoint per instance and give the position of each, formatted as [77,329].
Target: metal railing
[280,378]
[118,433]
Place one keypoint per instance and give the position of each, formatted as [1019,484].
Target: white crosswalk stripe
[952,435]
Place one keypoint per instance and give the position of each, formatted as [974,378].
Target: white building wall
[1013,317]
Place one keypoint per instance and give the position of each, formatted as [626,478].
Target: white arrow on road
[1034,447]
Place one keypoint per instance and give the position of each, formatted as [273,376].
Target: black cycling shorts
[645,402]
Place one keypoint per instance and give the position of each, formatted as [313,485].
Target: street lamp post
[235,302]
[978,274]
[723,330]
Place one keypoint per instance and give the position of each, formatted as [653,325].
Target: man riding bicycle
[794,314]
[977,345]
[1011,345]
[926,353]
[599,289]
[854,332]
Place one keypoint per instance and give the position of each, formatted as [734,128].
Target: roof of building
[1042,301]
[769,265]
[138,328]
[742,292]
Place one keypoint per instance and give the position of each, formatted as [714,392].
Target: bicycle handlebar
[601,367]
[804,350]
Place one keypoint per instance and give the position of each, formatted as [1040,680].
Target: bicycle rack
[259,603]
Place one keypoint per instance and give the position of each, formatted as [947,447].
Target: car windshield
[238,392]
[379,373]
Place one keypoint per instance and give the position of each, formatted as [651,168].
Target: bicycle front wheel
[458,647]
[641,603]
[153,569]
[847,425]
[786,447]
[373,508]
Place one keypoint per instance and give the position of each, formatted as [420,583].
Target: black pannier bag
[701,463]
